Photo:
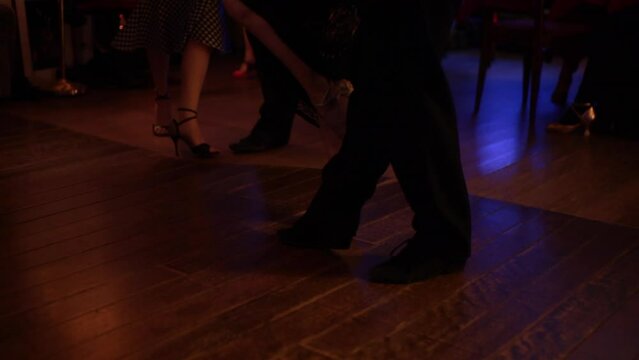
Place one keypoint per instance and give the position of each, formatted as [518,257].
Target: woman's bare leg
[249,56]
[159,64]
[248,63]
[195,63]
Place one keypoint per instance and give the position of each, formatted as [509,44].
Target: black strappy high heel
[160,130]
[203,150]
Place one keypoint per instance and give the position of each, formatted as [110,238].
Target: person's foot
[415,263]
[187,130]
[245,71]
[190,130]
[255,143]
[297,236]
[163,115]
[326,92]
[568,123]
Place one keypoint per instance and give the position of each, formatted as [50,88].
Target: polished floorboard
[505,156]
[110,248]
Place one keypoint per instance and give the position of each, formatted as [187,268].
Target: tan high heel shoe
[336,90]
[586,114]
[333,108]
[160,130]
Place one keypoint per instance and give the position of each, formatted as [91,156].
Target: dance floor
[111,248]
[110,251]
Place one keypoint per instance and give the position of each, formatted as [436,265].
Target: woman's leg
[159,64]
[315,85]
[249,56]
[247,67]
[195,63]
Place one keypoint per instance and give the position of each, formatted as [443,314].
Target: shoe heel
[588,118]
[176,140]
[586,114]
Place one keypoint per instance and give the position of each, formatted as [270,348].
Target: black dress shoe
[298,237]
[414,264]
[255,143]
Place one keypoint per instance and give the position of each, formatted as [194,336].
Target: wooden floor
[110,251]
[110,248]
[505,156]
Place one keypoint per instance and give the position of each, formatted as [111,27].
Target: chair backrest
[534,9]
[492,8]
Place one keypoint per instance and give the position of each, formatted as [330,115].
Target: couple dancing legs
[400,114]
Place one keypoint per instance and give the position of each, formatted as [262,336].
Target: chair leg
[484,63]
[526,82]
[536,82]
[485,57]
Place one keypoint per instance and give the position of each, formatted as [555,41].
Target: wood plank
[515,256]
[574,319]
[295,352]
[247,320]
[198,310]
[52,154]
[15,126]
[85,276]
[613,339]
[273,185]
[266,305]
[526,306]
[103,316]
[134,183]
[280,330]
[77,177]
[197,273]
[148,202]
[143,220]
[147,193]
[146,245]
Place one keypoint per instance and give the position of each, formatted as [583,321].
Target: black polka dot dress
[168,24]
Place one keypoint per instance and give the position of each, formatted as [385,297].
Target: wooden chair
[527,26]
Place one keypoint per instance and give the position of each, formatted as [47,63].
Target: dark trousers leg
[613,56]
[280,90]
[350,177]
[281,93]
[400,113]
[612,74]
[425,157]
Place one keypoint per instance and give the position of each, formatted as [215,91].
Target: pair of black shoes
[259,141]
[410,262]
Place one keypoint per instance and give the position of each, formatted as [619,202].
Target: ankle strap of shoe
[187,119]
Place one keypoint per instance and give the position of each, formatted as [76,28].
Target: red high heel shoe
[245,71]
